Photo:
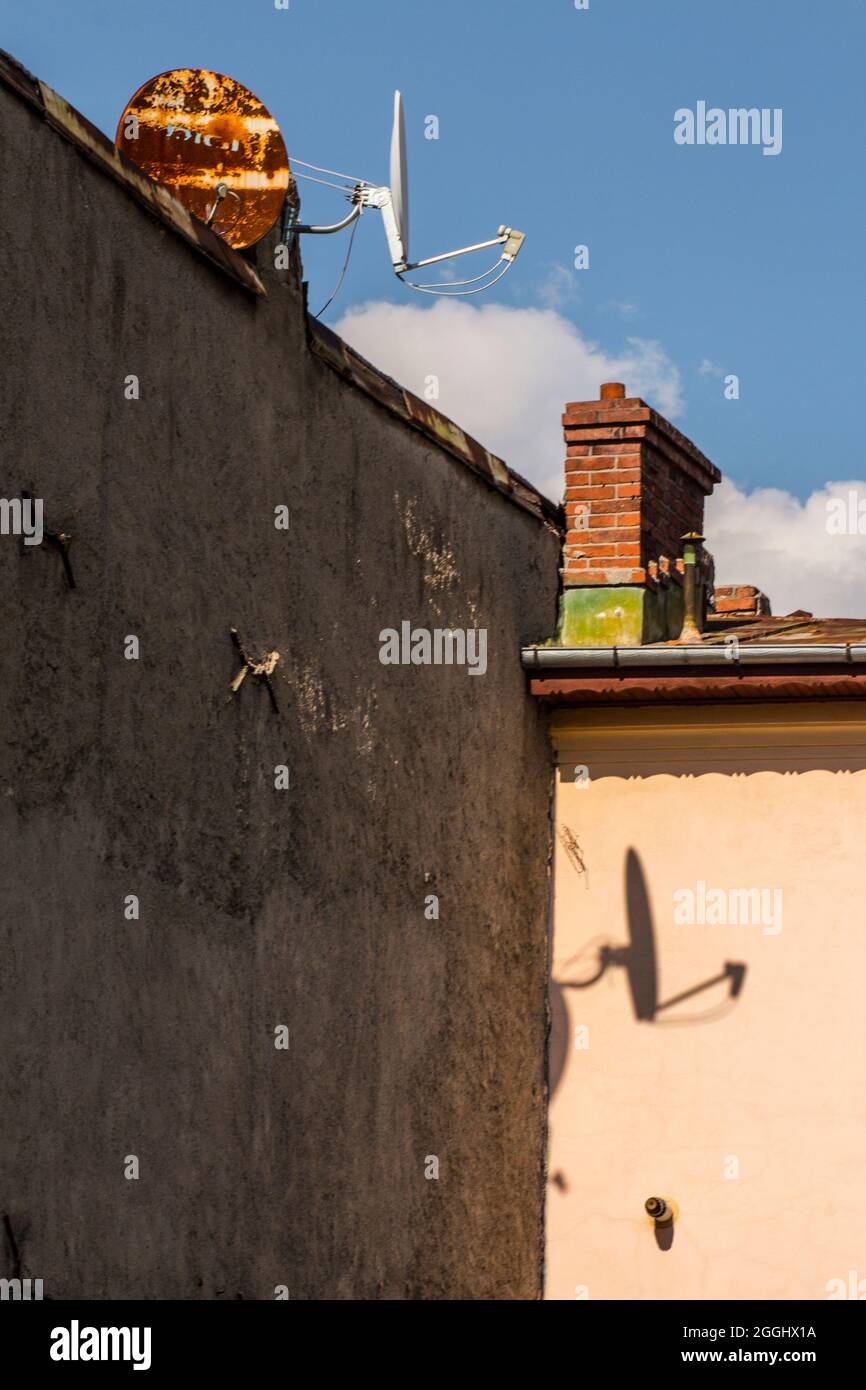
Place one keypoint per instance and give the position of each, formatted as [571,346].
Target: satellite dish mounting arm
[394,206]
[507,237]
[335,227]
[393,203]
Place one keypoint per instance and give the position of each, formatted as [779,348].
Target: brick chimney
[634,487]
[740,602]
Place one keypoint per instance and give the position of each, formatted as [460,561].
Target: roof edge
[342,358]
[695,655]
[620,690]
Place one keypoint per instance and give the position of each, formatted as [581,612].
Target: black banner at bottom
[161,1339]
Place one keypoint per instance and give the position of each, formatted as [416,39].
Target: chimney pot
[612,391]
[692,595]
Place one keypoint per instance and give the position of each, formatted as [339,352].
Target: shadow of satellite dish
[639,957]
[558,1042]
[639,961]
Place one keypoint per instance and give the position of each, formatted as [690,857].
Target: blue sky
[560,122]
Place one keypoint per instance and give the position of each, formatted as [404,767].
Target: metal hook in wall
[58,540]
[261,670]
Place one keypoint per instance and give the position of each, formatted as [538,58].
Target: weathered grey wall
[258,907]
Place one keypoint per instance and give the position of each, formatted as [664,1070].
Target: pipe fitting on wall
[660,1210]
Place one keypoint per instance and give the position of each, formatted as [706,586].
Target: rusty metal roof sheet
[796,627]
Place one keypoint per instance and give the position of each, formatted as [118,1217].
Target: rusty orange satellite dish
[214,144]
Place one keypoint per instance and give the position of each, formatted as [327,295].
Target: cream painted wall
[775,1079]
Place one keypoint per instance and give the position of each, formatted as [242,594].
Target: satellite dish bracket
[326,231]
[392,202]
[380,197]
[511,240]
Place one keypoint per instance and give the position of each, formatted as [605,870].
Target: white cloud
[505,373]
[771,539]
[504,376]
[559,286]
[626,308]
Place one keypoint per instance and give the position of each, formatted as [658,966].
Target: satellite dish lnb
[214,145]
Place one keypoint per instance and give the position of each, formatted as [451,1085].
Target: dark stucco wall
[155,1037]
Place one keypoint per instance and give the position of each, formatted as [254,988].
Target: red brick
[612,519]
[612,507]
[592,555]
[591,494]
[615,537]
[592,576]
[586,577]
[628,475]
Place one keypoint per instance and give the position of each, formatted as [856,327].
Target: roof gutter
[732,653]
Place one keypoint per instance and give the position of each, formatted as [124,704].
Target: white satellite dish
[393,203]
[400,176]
